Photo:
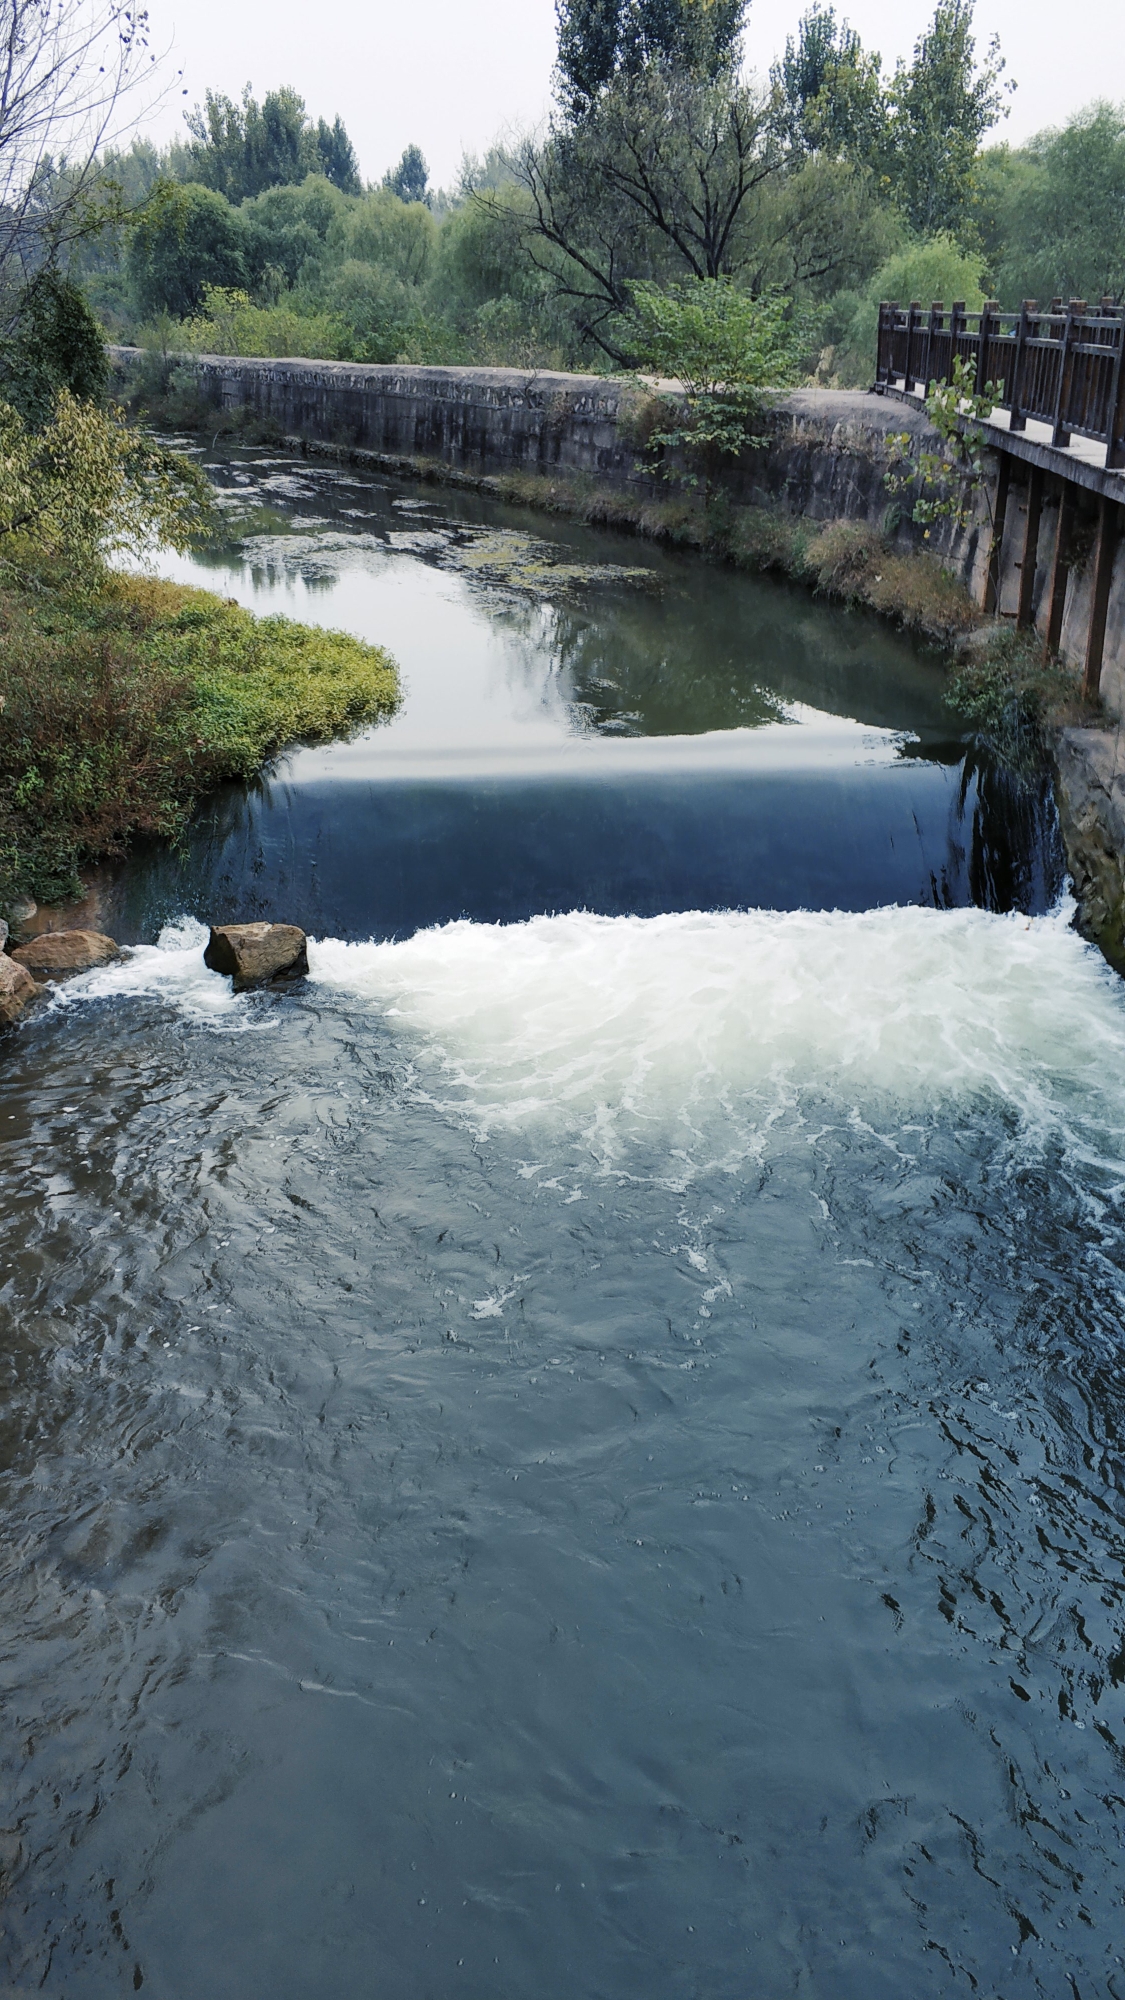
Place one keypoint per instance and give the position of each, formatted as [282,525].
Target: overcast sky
[452,75]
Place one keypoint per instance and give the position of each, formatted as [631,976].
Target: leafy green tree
[658,179]
[57,345]
[287,231]
[383,230]
[1058,211]
[941,107]
[827,91]
[818,228]
[87,487]
[187,238]
[600,41]
[338,161]
[239,150]
[410,178]
[939,269]
[711,337]
[375,310]
[721,347]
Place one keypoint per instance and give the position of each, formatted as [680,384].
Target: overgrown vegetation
[945,482]
[1013,694]
[723,348]
[122,706]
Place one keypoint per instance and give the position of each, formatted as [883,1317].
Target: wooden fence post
[936,310]
[1026,611]
[913,315]
[1099,602]
[956,329]
[987,313]
[1060,434]
[1115,448]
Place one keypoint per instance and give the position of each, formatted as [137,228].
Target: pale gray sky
[452,76]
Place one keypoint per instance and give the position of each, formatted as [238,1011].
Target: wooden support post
[1026,612]
[1060,569]
[996,547]
[1074,312]
[1104,551]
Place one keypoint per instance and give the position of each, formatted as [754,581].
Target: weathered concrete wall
[500,418]
[828,456]
[831,448]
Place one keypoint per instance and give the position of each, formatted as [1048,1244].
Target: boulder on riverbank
[60,954]
[253,954]
[17,988]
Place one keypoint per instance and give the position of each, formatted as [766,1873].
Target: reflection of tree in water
[720,651]
[608,669]
[1016,859]
[1004,830]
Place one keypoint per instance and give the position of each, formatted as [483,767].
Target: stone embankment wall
[827,458]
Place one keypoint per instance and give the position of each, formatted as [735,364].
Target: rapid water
[580,1454]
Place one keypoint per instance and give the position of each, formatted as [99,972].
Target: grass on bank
[121,706]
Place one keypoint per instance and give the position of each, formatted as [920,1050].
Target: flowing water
[579,1451]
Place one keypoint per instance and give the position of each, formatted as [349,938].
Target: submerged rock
[17,987]
[255,953]
[58,954]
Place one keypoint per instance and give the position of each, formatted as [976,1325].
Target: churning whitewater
[631,1039]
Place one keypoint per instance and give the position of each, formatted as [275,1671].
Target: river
[578,1452]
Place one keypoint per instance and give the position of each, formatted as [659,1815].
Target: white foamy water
[171,970]
[692,1032]
[614,1027]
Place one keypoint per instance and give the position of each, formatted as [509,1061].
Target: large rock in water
[17,987]
[253,953]
[58,954]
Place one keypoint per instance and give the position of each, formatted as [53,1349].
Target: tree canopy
[600,41]
[410,178]
[241,149]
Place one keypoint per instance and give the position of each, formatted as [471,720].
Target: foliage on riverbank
[121,706]
[1016,696]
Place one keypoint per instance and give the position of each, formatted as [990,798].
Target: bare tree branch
[65,68]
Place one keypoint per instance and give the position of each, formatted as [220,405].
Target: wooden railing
[1060,365]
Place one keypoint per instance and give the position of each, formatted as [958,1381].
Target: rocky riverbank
[249,954]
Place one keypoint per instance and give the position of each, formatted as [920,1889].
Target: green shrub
[121,707]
